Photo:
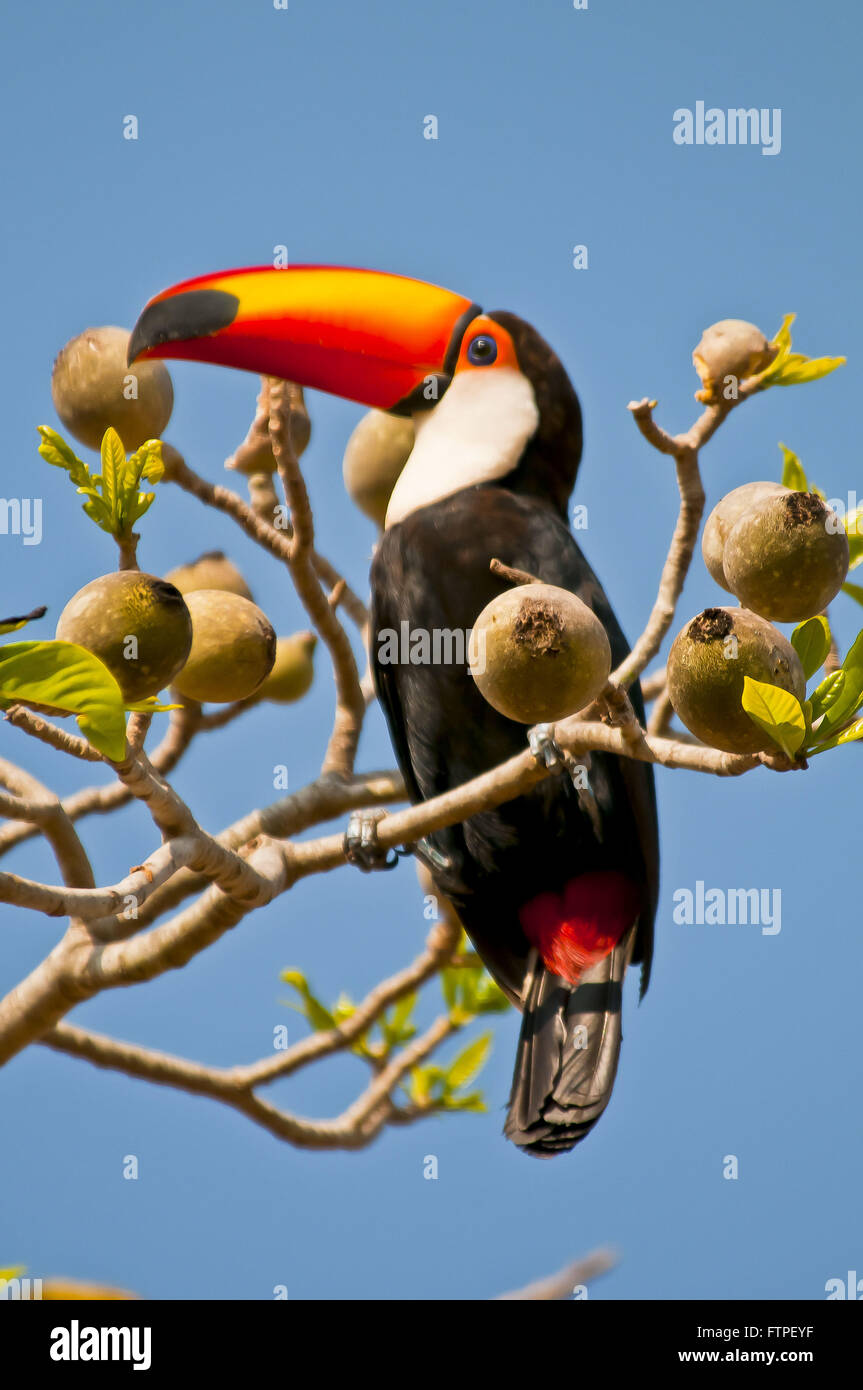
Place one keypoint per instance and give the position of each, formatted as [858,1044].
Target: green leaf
[56,451]
[469,1062]
[793,475]
[420,1090]
[472,1101]
[811,641]
[113,479]
[854,591]
[403,1009]
[853,523]
[68,679]
[490,998]
[797,369]
[141,504]
[114,501]
[791,368]
[147,461]
[783,337]
[777,712]
[96,510]
[848,700]
[15,624]
[825,695]
[317,1014]
[449,987]
[344,1008]
[852,734]
[151,705]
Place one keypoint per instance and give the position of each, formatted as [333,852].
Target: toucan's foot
[550,754]
[543,747]
[361,844]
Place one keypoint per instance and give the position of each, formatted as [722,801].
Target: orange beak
[371,337]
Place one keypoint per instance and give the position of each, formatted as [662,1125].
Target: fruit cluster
[538,653]
[784,555]
[127,635]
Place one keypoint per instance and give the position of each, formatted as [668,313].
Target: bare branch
[34,803]
[441,943]
[65,742]
[259,529]
[684,449]
[350,704]
[561,1285]
[353,1129]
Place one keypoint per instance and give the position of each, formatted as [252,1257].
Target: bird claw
[549,754]
[545,749]
[361,844]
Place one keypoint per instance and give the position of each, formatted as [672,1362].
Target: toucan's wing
[562,563]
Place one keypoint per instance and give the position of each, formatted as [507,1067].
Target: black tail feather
[567,1054]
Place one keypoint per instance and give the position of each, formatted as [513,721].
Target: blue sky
[303,127]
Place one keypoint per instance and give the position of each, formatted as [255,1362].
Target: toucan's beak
[370,337]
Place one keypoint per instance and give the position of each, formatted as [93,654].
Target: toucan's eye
[482,351]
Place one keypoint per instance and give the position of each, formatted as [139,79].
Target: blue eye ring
[482,350]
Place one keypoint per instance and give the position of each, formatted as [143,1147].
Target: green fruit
[708,660]
[538,653]
[787,557]
[92,387]
[726,514]
[376,453]
[138,625]
[233,648]
[210,571]
[293,671]
[730,348]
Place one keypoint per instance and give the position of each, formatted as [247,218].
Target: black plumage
[432,571]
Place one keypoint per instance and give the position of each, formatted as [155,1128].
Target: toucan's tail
[567,1054]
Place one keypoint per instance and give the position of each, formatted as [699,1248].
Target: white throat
[476,433]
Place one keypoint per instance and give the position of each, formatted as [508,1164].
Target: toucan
[556,888]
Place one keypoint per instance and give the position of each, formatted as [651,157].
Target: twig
[350,704]
[684,449]
[20,717]
[561,1285]
[276,541]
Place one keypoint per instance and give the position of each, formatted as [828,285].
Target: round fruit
[726,514]
[293,671]
[706,666]
[730,348]
[376,453]
[233,648]
[138,625]
[92,388]
[787,558]
[538,653]
[210,571]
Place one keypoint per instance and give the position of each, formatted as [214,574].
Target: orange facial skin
[485,327]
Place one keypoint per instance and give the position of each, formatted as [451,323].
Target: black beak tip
[182,318]
[137,344]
